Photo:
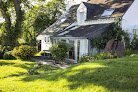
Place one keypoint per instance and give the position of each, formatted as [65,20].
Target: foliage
[8,55]
[40,17]
[114,32]
[134,44]
[24,52]
[23,20]
[15,52]
[11,28]
[127,52]
[59,50]
[100,56]
[40,68]
[34,70]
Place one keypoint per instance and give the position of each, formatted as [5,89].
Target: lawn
[110,75]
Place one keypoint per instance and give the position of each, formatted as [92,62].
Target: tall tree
[39,18]
[10,30]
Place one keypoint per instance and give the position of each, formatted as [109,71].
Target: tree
[10,31]
[26,21]
[59,50]
[40,17]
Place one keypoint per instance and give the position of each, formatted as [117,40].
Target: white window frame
[47,39]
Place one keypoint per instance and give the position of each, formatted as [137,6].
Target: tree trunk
[19,16]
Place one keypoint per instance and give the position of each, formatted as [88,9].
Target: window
[47,39]
[63,19]
[108,12]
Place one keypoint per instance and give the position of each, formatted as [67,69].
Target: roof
[88,31]
[58,25]
[95,10]
[120,6]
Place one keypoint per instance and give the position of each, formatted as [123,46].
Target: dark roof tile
[58,25]
[88,31]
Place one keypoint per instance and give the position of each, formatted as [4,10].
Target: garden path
[50,61]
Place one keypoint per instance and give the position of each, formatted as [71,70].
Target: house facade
[88,20]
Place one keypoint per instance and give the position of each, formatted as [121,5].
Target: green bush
[15,52]
[127,52]
[24,52]
[84,59]
[8,55]
[94,57]
[59,50]
[109,56]
[41,68]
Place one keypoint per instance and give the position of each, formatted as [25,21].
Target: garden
[110,75]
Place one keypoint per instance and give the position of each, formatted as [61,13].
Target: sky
[1,20]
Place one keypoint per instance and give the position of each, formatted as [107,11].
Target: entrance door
[71,52]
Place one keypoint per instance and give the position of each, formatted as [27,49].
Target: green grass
[111,75]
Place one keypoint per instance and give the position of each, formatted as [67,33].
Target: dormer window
[108,12]
[81,14]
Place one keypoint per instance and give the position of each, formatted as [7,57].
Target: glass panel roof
[108,12]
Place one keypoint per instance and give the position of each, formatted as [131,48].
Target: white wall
[44,45]
[130,18]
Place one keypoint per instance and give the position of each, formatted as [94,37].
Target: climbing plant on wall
[114,32]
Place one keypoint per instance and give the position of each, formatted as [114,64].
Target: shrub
[15,52]
[8,55]
[24,52]
[94,57]
[127,52]
[109,56]
[84,59]
[40,68]
[59,50]
[34,70]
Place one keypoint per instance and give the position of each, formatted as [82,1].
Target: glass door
[71,52]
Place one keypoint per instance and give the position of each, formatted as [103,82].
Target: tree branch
[5,14]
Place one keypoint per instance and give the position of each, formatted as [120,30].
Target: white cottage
[44,36]
[88,20]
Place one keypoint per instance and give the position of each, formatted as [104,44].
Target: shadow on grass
[5,63]
[117,75]
[26,65]
[14,75]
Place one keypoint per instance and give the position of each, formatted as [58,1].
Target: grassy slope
[119,75]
